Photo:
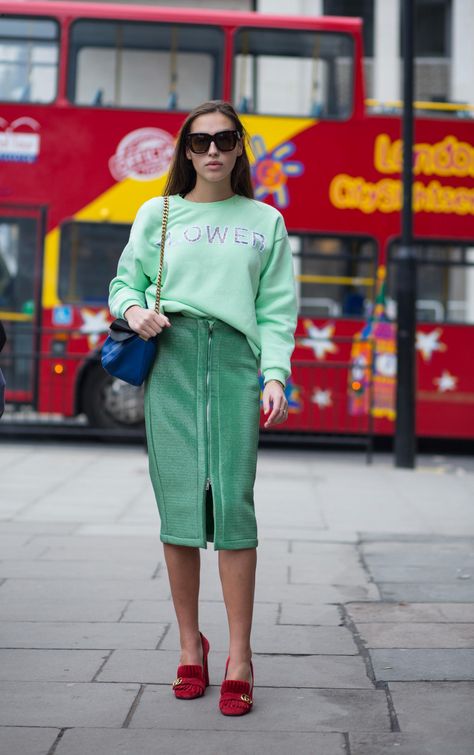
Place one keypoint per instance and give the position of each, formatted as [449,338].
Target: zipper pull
[208,484]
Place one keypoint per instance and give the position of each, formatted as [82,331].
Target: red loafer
[191,681]
[236,696]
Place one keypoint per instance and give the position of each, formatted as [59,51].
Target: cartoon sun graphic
[272,169]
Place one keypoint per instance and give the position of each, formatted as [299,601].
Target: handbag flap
[120,330]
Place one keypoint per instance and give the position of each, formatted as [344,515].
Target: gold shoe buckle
[177,681]
[246,699]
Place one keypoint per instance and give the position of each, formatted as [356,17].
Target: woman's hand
[274,399]
[146,322]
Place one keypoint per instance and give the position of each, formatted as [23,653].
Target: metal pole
[405,433]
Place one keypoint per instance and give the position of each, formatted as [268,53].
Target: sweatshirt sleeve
[276,312]
[129,285]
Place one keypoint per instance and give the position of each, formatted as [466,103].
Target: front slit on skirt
[202,405]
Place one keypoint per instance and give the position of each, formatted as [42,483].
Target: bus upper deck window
[313,69]
[136,65]
[28,59]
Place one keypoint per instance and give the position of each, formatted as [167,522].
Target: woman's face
[213,166]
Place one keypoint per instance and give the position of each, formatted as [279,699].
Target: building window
[363,9]
[432,28]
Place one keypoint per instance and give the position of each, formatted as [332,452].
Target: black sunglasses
[225,141]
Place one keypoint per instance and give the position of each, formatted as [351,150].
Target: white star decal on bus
[320,339]
[446,382]
[321,398]
[427,343]
[94,323]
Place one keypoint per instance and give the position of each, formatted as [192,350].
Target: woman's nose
[213,149]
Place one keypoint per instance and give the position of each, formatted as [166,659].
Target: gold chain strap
[164,224]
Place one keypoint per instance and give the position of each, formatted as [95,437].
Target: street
[363,632]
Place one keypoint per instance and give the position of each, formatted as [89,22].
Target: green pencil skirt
[202,406]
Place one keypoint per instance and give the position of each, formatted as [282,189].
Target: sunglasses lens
[226,140]
[199,143]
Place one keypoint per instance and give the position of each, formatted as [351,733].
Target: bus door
[21,248]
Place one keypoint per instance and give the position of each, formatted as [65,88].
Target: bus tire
[109,403]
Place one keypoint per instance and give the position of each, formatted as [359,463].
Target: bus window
[28,59]
[445,282]
[137,65]
[88,262]
[18,240]
[314,70]
[335,275]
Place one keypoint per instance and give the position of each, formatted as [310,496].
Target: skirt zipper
[208,406]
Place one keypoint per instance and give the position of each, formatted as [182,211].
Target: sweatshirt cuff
[275,374]
[123,306]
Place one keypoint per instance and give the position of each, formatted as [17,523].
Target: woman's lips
[214,164]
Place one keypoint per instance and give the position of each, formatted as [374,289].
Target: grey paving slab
[409,744]
[423,665]
[302,710]
[45,569]
[80,634]
[212,612]
[322,614]
[411,612]
[458,591]
[77,634]
[48,511]
[66,608]
[19,547]
[331,569]
[25,665]
[275,495]
[446,707]
[417,550]
[100,547]
[421,635]
[286,639]
[26,741]
[275,592]
[115,529]
[425,573]
[318,549]
[165,742]
[37,528]
[315,535]
[159,667]
[62,704]
[109,589]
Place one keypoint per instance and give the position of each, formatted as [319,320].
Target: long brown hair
[182,176]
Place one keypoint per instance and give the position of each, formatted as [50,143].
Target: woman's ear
[188,153]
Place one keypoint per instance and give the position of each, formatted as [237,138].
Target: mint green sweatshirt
[228,260]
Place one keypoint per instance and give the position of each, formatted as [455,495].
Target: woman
[229,306]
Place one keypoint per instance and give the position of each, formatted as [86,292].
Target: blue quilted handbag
[125,354]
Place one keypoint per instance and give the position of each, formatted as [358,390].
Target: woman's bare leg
[183,564]
[237,573]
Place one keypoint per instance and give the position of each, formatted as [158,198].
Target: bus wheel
[110,403]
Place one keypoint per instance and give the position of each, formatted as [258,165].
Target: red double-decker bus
[91,99]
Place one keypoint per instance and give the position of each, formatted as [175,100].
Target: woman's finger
[275,411]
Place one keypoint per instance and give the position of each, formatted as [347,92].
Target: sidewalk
[364,618]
